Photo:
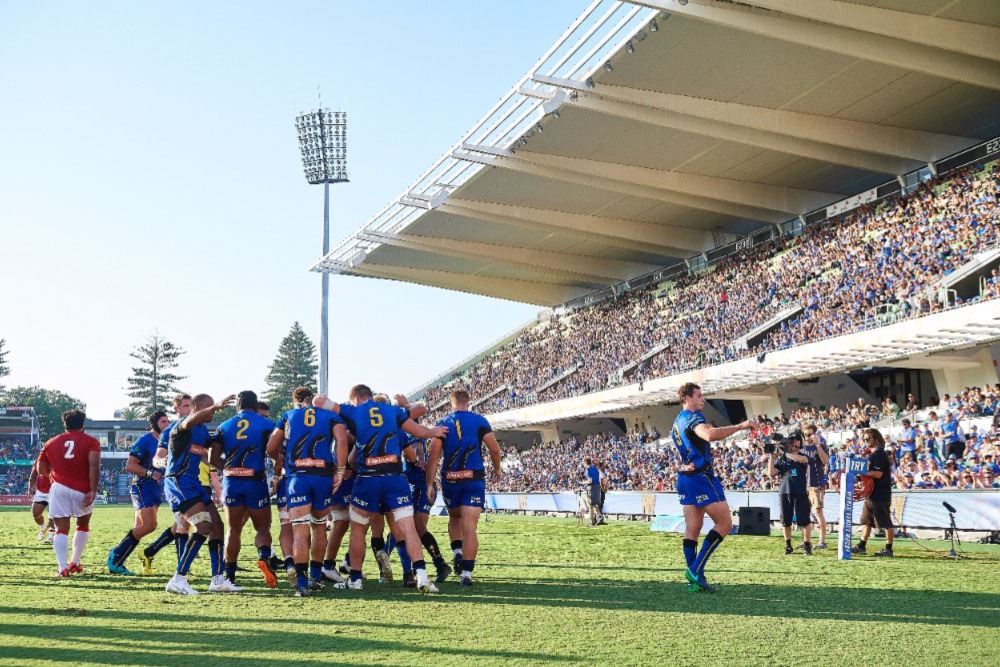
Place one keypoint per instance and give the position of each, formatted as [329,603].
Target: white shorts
[40,497]
[66,502]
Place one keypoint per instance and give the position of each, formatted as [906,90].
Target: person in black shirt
[877,506]
[793,466]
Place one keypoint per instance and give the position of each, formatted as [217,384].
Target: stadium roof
[652,132]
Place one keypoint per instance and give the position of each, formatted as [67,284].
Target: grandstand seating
[870,267]
[639,461]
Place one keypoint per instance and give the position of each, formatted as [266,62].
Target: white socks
[79,542]
[60,544]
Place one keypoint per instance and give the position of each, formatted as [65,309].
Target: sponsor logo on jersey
[309,463]
[239,472]
[451,475]
[198,450]
[373,461]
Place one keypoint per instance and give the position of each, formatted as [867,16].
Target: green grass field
[548,592]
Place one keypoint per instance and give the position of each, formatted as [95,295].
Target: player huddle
[338,467]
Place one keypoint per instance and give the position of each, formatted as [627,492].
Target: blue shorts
[146,494]
[381,493]
[250,493]
[313,490]
[184,492]
[342,496]
[281,497]
[464,494]
[421,503]
[699,490]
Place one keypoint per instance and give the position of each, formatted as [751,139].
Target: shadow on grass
[337,641]
[760,600]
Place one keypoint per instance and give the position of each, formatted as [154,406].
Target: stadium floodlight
[323,145]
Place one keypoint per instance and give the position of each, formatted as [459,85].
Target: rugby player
[279,489]
[146,491]
[380,485]
[72,461]
[38,489]
[238,447]
[699,489]
[463,476]
[178,530]
[305,436]
[190,498]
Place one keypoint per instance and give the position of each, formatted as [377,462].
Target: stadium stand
[640,461]
[876,265]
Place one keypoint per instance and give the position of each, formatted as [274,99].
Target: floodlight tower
[323,143]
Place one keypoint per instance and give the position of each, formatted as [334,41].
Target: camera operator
[819,457]
[793,466]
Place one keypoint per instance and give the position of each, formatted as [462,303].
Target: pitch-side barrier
[976,510]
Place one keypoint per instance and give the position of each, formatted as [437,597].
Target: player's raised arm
[713,433]
[205,415]
[416,430]
[416,411]
[324,402]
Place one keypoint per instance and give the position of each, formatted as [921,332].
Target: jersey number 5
[375,416]
[69,449]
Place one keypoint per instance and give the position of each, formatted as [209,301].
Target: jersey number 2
[69,449]
[243,424]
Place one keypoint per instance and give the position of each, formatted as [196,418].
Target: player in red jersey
[73,462]
[38,489]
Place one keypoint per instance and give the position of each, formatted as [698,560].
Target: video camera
[780,442]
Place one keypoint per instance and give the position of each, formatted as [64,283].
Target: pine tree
[294,366]
[4,368]
[152,385]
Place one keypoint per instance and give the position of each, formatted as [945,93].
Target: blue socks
[404,558]
[215,553]
[708,547]
[690,551]
[191,548]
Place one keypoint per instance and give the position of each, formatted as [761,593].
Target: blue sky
[150,181]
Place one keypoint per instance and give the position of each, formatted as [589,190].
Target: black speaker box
[755,521]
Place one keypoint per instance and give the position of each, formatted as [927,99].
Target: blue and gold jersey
[144,450]
[462,450]
[243,438]
[310,448]
[376,428]
[185,451]
[693,449]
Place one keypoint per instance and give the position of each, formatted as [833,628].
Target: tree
[131,414]
[49,405]
[4,368]
[294,366]
[152,383]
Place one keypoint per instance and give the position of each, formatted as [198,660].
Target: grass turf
[548,591]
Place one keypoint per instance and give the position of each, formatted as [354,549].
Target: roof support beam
[880,148]
[642,236]
[866,46]
[596,177]
[746,194]
[957,36]
[524,291]
[599,272]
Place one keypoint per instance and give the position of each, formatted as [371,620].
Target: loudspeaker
[755,521]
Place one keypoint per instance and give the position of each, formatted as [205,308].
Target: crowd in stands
[874,265]
[639,461]
[15,480]
[17,447]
